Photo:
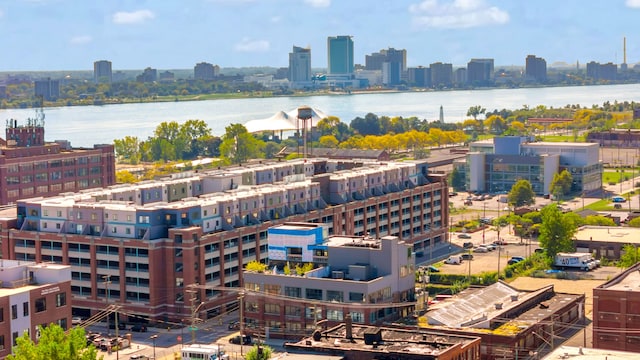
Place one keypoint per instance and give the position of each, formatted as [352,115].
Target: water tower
[305,113]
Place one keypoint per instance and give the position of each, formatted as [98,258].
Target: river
[84,126]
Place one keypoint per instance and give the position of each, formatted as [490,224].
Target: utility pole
[107,282]
[194,311]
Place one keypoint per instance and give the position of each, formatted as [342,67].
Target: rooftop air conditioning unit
[337,274]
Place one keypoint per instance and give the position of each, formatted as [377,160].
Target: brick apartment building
[616,312]
[155,239]
[30,167]
[32,295]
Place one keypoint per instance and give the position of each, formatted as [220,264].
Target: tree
[125,177]
[259,352]
[328,125]
[54,343]
[629,256]
[556,231]
[561,183]
[474,111]
[328,141]
[598,220]
[370,125]
[238,145]
[635,222]
[495,124]
[456,179]
[521,194]
[195,134]
[127,149]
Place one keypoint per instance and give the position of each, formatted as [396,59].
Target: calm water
[88,125]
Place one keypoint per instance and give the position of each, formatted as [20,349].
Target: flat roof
[613,234]
[628,280]
[579,353]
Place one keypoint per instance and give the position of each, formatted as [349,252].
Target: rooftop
[614,234]
[629,280]
[574,353]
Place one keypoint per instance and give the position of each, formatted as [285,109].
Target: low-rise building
[370,280]
[495,165]
[616,312]
[360,342]
[605,241]
[31,295]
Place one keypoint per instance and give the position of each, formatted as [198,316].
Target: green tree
[598,220]
[556,231]
[194,134]
[495,124]
[259,352]
[328,126]
[328,141]
[127,149]
[635,222]
[521,194]
[561,183]
[456,179]
[476,110]
[238,145]
[125,177]
[629,256]
[54,344]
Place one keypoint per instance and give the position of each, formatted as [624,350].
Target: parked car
[515,260]
[480,249]
[618,199]
[432,268]
[234,325]
[539,250]
[467,256]
[139,328]
[491,247]
[121,325]
[467,245]
[500,242]
[240,339]
[464,236]
[468,202]
[76,320]
[139,357]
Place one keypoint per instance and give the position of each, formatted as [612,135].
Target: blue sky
[177,34]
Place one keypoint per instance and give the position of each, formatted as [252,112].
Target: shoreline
[261,94]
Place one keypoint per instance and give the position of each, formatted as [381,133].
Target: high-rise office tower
[480,71]
[300,64]
[205,71]
[536,68]
[102,71]
[340,55]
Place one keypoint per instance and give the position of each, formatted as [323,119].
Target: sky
[38,35]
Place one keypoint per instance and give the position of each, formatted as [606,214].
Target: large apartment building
[32,295]
[155,239]
[31,167]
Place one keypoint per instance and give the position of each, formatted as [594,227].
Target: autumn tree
[521,194]
[54,343]
[127,149]
[556,231]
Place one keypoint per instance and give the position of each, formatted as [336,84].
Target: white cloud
[633,3]
[134,17]
[248,45]
[80,40]
[457,14]
[318,3]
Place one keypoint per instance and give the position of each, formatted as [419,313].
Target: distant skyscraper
[392,63]
[300,64]
[47,88]
[480,71]
[102,71]
[205,71]
[419,76]
[536,68]
[340,55]
[441,74]
[148,75]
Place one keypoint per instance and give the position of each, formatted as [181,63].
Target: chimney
[348,324]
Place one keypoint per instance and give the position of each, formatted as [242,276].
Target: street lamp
[153,338]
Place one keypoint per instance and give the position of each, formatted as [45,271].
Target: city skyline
[245,33]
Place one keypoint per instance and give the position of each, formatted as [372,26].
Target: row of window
[40,305]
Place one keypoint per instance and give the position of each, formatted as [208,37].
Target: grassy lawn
[563,138]
[609,176]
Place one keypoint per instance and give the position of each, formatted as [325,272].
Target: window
[333,295]
[335,315]
[315,294]
[1,315]
[14,312]
[353,296]
[41,305]
[293,291]
[61,299]
[272,309]
[25,308]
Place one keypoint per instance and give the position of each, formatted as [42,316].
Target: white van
[453,260]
